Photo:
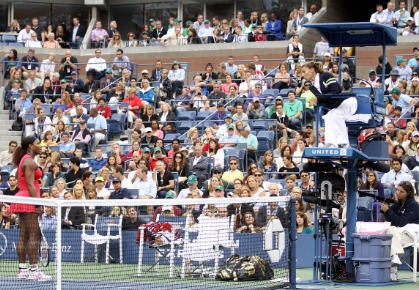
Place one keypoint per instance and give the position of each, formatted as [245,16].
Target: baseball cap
[395,91]
[394,72]
[177,20]
[415,48]
[415,133]
[108,71]
[219,187]
[63,81]
[218,169]
[220,105]
[410,19]
[231,126]
[344,50]
[151,20]
[399,61]
[99,178]
[82,122]
[170,194]
[309,126]
[191,179]
[115,180]
[148,129]
[144,71]
[255,99]
[327,54]
[175,62]
[73,72]
[189,22]
[167,207]
[206,21]
[227,116]
[371,71]
[157,149]
[146,150]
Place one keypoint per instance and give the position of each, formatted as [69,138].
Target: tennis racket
[43,248]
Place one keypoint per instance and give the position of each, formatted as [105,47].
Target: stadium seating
[186,116]
[266,140]
[364,205]
[203,115]
[7,38]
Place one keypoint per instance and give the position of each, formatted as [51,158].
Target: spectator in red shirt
[103,109]
[135,104]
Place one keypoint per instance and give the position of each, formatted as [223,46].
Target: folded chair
[215,235]
[105,229]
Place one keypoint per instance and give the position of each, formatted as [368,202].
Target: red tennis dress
[23,189]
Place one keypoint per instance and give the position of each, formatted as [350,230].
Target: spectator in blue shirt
[66,147]
[30,63]
[119,192]
[218,117]
[274,28]
[100,126]
[97,163]
[22,105]
[120,62]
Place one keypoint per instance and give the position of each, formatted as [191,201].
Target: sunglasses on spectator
[258,174]
[233,163]
[371,175]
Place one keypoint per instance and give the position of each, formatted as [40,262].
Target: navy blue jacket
[402,214]
[329,87]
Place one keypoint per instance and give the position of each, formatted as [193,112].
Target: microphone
[377,166]
[317,167]
[377,197]
[320,202]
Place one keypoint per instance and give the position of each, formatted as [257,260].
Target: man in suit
[199,165]
[226,35]
[156,73]
[72,216]
[77,33]
[272,210]
[159,31]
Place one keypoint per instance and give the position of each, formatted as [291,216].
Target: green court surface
[88,275]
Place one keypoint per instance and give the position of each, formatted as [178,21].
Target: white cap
[144,71]
[148,129]
[410,19]
[166,207]
[415,79]
[327,54]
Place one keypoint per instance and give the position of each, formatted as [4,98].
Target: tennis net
[189,243]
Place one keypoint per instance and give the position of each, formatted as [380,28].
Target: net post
[140,250]
[59,247]
[293,245]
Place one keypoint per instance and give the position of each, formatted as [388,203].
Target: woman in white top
[215,151]
[199,100]
[298,153]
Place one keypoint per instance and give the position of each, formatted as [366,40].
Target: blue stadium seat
[16,44]
[271,92]
[203,115]
[185,126]
[3,44]
[114,128]
[168,138]
[364,206]
[9,38]
[186,116]
[257,125]
[265,139]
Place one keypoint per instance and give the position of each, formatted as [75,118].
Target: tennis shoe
[23,274]
[38,275]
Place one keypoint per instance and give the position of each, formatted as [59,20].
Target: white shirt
[205,31]
[392,176]
[75,28]
[24,36]
[146,187]
[103,193]
[33,43]
[184,193]
[47,66]
[97,63]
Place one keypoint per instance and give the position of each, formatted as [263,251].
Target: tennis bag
[245,268]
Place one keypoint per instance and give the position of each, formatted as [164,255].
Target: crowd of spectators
[71,115]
